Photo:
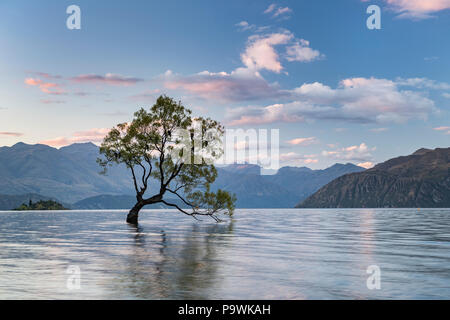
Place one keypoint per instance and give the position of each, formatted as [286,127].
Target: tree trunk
[132,216]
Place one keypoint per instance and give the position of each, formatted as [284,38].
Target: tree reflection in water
[177,265]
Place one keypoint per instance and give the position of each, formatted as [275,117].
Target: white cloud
[260,52]
[360,100]
[271,8]
[356,153]
[244,25]
[282,11]
[293,158]
[422,83]
[300,51]
[278,11]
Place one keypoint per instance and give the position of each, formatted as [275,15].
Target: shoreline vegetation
[41,206]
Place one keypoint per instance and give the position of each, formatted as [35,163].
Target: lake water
[260,254]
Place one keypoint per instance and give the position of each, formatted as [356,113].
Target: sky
[336,90]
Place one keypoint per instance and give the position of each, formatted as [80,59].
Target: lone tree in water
[168,145]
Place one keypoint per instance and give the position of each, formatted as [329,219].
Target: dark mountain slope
[418,180]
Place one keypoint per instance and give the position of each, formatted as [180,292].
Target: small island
[41,205]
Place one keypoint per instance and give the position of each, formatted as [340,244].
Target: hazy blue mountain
[420,180]
[71,174]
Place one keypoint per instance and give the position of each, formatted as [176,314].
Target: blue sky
[337,91]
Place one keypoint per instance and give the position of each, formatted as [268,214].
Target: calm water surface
[260,254]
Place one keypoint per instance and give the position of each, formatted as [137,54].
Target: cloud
[366,164]
[271,8]
[417,9]
[244,26]
[245,83]
[260,52]
[300,51]
[377,130]
[355,153]
[262,115]
[302,141]
[422,83]
[357,100]
[95,135]
[50,101]
[445,129]
[109,79]
[366,100]
[294,158]
[241,84]
[11,134]
[278,11]
[46,75]
[46,87]
[446,95]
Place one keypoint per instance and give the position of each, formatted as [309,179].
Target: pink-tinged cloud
[366,165]
[261,54]
[46,75]
[11,134]
[443,129]
[302,141]
[239,85]
[46,87]
[109,79]
[94,135]
[417,9]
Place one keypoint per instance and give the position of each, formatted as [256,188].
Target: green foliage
[41,205]
[168,145]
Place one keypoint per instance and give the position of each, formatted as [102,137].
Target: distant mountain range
[68,174]
[71,175]
[420,180]
[282,190]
